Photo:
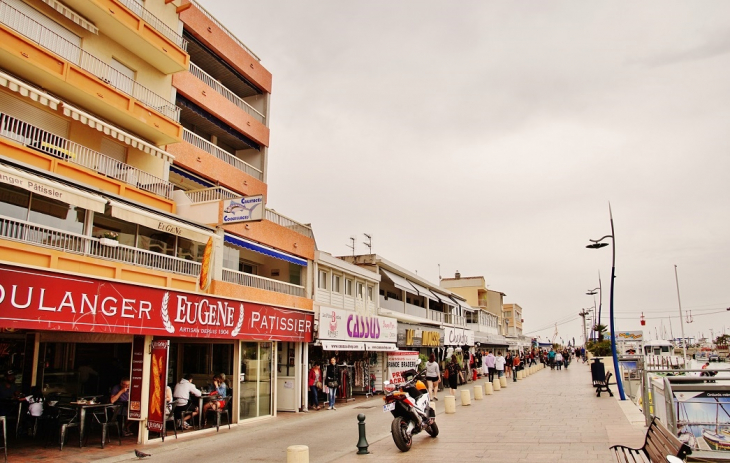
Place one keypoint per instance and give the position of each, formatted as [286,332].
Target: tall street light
[592,292]
[597,244]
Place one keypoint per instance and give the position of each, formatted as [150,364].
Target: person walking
[453,368]
[433,373]
[508,363]
[559,360]
[489,364]
[499,364]
[516,361]
[551,358]
[332,378]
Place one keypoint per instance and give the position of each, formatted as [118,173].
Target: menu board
[135,387]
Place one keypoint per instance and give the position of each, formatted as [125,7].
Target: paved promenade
[550,416]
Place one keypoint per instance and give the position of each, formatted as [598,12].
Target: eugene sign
[36,299]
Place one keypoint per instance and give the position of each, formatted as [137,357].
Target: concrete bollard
[488,388]
[478,392]
[297,454]
[520,375]
[465,397]
[496,384]
[503,381]
[449,404]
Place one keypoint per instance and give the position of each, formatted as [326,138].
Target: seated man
[120,395]
[181,394]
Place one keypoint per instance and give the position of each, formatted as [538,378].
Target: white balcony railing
[216,193]
[27,232]
[48,39]
[229,33]
[286,222]
[156,22]
[436,316]
[227,94]
[210,148]
[255,281]
[454,319]
[46,142]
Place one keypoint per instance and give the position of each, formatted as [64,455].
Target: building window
[335,283]
[348,287]
[322,280]
[370,293]
[359,290]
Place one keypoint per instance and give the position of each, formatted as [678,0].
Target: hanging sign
[156,413]
[248,209]
[630,336]
[398,362]
[134,410]
[346,325]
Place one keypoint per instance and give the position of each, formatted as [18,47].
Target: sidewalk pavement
[549,416]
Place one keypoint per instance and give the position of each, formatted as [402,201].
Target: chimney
[457,275]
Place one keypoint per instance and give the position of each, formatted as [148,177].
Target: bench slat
[658,443]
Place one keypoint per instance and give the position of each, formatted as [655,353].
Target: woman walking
[433,373]
[453,368]
[315,383]
[332,377]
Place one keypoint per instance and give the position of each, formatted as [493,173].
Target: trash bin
[598,370]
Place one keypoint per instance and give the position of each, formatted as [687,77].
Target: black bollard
[362,444]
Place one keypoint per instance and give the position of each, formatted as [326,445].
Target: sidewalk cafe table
[204,397]
[82,407]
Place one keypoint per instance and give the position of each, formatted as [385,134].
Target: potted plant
[109,239]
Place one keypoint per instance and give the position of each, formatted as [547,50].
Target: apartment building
[513,319]
[133,137]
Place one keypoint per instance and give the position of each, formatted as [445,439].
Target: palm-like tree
[601,330]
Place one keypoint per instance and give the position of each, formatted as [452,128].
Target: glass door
[255,380]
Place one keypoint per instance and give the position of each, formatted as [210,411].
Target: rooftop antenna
[369,244]
[352,246]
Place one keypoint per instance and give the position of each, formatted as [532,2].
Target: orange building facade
[129,131]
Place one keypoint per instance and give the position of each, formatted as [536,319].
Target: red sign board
[42,300]
[134,411]
[156,415]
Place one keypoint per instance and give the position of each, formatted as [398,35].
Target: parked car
[714,358]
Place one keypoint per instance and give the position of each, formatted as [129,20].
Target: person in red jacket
[315,382]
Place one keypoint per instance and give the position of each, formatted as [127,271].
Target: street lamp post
[597,244]
[592,292]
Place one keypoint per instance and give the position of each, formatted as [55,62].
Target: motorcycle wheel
[398,429]
[433,430]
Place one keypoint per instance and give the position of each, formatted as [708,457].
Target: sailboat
[717,440]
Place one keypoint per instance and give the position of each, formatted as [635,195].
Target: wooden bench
[659,443]
[602,386]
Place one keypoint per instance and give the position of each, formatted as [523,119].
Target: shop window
[322,284]
[156,241]
[190,250]
[359,292]
[348,287]
[335,284]
[256,379]
[105,224]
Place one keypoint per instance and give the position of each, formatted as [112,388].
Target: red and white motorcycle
[410,405]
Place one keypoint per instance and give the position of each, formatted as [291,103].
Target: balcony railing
[46,142]
[155,22]
[27,232]
[210,148]
[229,33]
[454,319]
[255,281]
[286,222]
[227,94]
[48,39]
[436,316]
[216,193]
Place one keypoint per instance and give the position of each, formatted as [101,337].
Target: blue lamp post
[597,244]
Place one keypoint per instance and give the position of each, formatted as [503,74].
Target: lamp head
[597,245]
[591,293]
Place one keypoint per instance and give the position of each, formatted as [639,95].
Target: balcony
[127,22]
[30,233]
[453,319]
[67,150]
[255,281]
[203,144]
[84,78]
[227,94]
[226,31]
[286,222]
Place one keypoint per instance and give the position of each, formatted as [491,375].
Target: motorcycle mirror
[386,382]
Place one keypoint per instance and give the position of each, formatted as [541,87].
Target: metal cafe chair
[68,417]
[108,417]
[221,410]
[5,438]
[169,416]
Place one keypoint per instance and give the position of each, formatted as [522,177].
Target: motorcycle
[410,405]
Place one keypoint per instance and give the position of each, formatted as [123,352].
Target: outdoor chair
[108,417]
[221,410]
[67,418]
[169,417]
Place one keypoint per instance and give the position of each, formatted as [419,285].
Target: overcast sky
[489,137]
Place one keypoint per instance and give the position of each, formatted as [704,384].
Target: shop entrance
[255,380]
[203,360]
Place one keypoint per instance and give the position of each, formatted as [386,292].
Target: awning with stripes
[72,15]
[158,222]
[28,91]
[115,132]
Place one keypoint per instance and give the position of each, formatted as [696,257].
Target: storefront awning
[115,132]
[72,15]
[343,345]
[263,249]
[51,189]
[464,305]
[158,222]
[421,291]
[399,282]
[380,347]
[28,91]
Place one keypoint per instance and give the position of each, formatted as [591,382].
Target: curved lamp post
[597,244]
[592,292]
